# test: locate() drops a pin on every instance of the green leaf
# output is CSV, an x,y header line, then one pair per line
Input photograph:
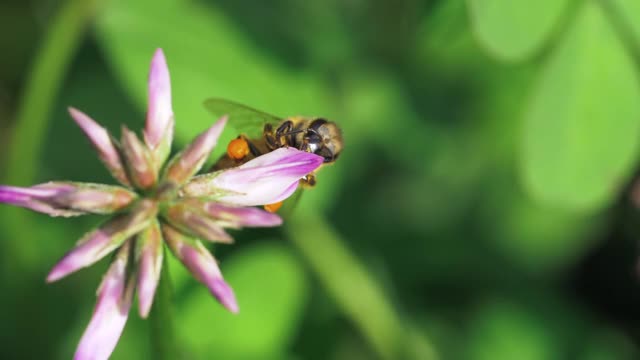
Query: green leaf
x,y
608,344
207,56
342,274
503,330
583,123
539,239
29,129
629,11
271,289
513,30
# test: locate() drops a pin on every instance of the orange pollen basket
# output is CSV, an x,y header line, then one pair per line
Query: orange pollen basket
x,y
238,148
273,207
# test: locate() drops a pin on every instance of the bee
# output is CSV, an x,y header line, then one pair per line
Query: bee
x,y
261,133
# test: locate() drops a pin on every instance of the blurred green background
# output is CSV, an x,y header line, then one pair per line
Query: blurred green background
x,y
480,210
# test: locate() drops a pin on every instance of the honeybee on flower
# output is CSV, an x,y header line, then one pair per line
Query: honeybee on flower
x,y
159,202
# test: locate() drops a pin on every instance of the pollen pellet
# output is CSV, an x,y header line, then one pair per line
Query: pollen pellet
x,y
273,207
238,148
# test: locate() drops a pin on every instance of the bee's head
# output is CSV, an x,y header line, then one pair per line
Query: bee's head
x,y
324,138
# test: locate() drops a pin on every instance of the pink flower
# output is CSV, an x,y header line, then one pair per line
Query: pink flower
x,y
158,203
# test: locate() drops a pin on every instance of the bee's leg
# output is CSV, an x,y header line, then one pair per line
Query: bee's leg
x,y
272,143
226,161
308,181
271,140
286,127
284,130
268,129
252,147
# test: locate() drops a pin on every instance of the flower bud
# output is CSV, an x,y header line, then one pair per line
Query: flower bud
x,y
191,217
201,264
98,243
101,140
111,312
237,217
95,198
140,164
68,198
264,180
158,132
149,257
188,162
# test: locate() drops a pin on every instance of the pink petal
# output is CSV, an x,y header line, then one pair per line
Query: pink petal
x,y
187,163
97,198
93,247
37,198
286,193
149,266
102,241
101,141
243,216
138,159
264,180
68,198
191,217
110,314
201,264
159,126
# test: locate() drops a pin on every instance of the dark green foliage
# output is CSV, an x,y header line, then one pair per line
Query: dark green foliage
x,y
479,210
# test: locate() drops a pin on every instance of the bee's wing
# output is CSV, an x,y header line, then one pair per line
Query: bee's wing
x,y
246,120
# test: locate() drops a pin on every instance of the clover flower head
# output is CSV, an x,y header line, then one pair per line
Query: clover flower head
x,y
158,202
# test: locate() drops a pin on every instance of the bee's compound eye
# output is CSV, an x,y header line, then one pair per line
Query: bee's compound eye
x,y
317,123
326,154
238,148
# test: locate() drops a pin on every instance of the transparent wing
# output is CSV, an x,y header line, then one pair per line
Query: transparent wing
x,y
246,120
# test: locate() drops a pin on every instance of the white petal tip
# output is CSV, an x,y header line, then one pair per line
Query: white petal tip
x,y
78,116
57,273
145,299
158,54
159,113
144,310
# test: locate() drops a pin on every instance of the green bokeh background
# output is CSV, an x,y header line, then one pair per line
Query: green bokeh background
x,y
482,208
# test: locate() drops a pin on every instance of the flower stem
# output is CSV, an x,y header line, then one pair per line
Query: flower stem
x,y
61,39
357,293
163,339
